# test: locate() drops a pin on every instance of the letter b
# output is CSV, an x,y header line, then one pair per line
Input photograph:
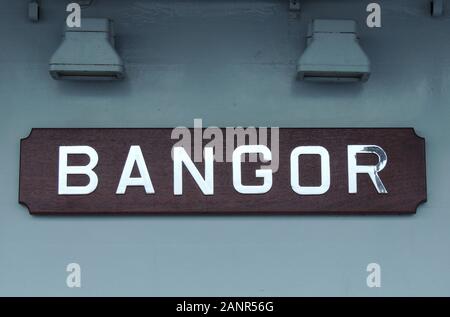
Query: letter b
x,y
64,170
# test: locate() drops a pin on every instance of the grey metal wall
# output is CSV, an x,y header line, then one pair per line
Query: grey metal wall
x,y
230,63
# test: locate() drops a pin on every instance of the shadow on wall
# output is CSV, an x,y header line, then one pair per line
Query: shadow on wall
x,y
330,90
98,89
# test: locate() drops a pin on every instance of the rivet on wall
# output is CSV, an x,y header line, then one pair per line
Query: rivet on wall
x,y
294,5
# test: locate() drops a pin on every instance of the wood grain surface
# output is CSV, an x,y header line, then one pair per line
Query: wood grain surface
x,y
404,175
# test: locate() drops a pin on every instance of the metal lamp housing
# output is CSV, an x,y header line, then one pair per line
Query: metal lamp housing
x,y
87,53
333,53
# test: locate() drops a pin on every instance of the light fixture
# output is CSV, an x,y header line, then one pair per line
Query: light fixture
x,y
333,53
87,53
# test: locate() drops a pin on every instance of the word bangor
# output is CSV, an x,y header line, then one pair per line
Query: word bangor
x,y
182,160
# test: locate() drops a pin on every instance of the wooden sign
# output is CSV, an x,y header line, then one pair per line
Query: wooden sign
x,y
199,171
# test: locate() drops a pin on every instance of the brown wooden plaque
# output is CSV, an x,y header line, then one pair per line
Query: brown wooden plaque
x,y
319,171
